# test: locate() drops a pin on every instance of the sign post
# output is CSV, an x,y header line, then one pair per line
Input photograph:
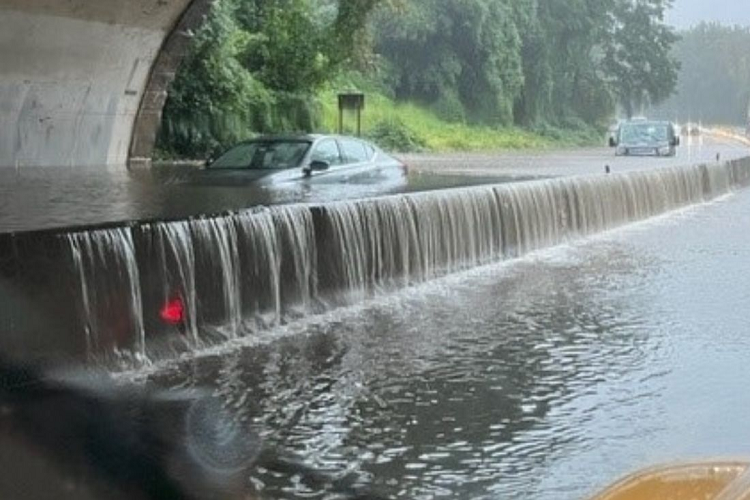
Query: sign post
x,y
353,101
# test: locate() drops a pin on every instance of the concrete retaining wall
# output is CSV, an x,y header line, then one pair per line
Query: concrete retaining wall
x,y
96,293
79,77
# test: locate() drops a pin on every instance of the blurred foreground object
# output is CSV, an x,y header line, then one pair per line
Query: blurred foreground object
x,y
721,480
82,436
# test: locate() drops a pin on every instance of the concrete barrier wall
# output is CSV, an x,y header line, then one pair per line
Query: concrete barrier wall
x,y
74,76
97,294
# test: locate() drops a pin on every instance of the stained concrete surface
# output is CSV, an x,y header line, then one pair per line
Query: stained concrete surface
x,y
77,76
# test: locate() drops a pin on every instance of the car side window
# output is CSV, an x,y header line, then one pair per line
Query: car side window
x,y
327,151
354,151
370,151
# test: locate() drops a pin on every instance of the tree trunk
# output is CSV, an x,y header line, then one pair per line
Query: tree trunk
x,y
628,105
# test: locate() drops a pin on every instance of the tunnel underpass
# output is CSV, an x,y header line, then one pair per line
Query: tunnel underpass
x,y
84,81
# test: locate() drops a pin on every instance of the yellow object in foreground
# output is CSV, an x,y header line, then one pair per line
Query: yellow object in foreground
x,y
705,481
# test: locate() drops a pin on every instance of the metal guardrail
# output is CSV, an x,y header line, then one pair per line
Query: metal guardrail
x,y
727,134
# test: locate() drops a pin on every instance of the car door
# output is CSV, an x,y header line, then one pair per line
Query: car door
x,y
327,150
357,160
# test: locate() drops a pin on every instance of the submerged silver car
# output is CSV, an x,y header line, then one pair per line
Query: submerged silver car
x,y
304,158
645,138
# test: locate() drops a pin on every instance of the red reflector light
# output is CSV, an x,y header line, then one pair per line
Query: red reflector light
x,y
173,312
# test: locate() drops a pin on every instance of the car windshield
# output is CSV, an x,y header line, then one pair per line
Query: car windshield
x,y
263,155
634,133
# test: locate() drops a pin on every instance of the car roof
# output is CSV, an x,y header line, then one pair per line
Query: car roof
x,y
300,137
648,122
284,137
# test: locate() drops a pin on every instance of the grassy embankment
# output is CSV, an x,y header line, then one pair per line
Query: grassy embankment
x,y
409,127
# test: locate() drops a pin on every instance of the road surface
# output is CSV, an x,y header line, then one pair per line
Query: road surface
x,y
546,377
34,199
574,161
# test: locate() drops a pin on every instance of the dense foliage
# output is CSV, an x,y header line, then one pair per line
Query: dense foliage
x,y
714,85
638,58
260,65
529,61
255,67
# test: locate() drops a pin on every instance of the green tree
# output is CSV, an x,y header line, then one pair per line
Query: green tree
x,y
214,97
561,58
529,62
467,52
638,59
714,82
255,67
287,49
258,65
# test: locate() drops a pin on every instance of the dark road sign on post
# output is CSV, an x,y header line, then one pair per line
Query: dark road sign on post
x,y
353,101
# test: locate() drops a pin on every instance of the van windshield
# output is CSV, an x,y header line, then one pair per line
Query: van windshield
x,y
647,132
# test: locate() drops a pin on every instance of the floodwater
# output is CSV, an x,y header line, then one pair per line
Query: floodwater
x,y
693,150
66,197
43,198
546,377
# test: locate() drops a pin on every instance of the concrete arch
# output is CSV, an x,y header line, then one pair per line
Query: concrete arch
x,y
83,82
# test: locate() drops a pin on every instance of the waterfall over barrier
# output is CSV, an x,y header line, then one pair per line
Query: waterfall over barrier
x,y
233,275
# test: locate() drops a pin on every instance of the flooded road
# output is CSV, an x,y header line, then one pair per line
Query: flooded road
x,y
39,199
546,377
589,161
34,199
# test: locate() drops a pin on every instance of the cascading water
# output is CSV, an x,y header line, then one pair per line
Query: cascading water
x,y
110,288
249,271
177,252
218,256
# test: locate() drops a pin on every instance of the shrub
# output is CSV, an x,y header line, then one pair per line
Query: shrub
x,y
449,108
395,135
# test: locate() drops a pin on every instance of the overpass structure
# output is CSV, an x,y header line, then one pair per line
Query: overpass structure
x,y
83,82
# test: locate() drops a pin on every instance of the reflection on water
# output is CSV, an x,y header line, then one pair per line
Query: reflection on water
x,y
37,198
545,378
459,391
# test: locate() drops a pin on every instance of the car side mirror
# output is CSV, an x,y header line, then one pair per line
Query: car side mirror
x,y
612,142
675,141
319,166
